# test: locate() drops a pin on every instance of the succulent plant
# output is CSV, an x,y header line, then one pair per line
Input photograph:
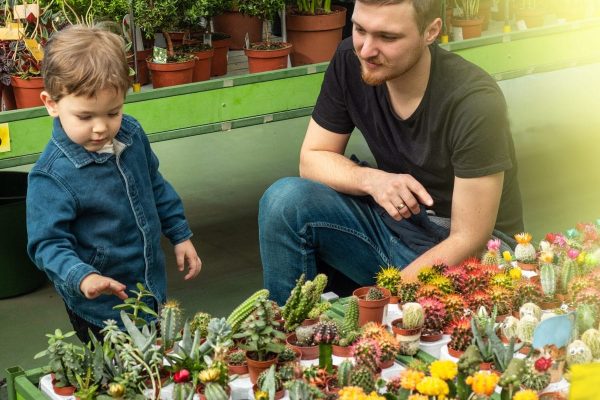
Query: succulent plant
x,y
591,338
366,352
413,315
479,298
526,291
429,290
435,314
183,391
534,380
470,361
305,335
200,322
387,342
461,335
531,309
589,295
363,377
490,257
576,285
524,251
426,274
325,332
568,272
350,323
344,373
407,291
578,353
374,293
502,299
455,306
502,280
471,265
443,283
389,277
241,312
548,280
509,326
512,376
302,299
476,281
586,317
269,378
170,323
236,357
525,328
458,276
319,309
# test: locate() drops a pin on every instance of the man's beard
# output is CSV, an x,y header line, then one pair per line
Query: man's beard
x,y
372,79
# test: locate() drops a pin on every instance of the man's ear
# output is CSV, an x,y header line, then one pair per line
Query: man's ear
x,y
433,30
51,105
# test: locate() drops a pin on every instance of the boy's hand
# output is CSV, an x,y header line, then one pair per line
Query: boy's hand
x,y
95,285
186,253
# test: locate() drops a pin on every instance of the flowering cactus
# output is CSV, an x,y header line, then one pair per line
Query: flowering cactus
x,y
524,251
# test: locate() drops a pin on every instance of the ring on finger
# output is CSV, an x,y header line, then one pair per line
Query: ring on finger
x,y
400,207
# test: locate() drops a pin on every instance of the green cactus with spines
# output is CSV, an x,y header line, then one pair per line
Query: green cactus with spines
x,y
183,391
578,353
319,309
525,328
170,323
490,258
214,391
200,322
426,274
500,296
443,283
302,299
548,280
269,377
286,355
299,389
509,327
241,312
534,380
530,309
576,285
455,306
413,316
320,284
568,272
374,293
389,277
407,291
510,380
363,377
366,352
585,317
591,338
287,371
502,280
344,373
350,323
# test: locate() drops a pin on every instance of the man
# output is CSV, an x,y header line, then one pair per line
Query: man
x,y
437,127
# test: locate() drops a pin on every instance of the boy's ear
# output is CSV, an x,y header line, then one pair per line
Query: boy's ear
x,y
51,105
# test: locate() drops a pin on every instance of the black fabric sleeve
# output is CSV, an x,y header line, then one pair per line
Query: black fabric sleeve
x,y
481,136
331,110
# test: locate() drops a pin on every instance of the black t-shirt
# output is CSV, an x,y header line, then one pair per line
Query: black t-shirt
x,y
460,128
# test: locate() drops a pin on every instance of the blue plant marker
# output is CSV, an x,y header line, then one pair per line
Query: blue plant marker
x,y
554,330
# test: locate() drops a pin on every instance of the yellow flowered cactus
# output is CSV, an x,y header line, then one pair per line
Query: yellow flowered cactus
x,y
523,238
507,256
524,251
443,369
483,383
432,386
525,395
515,273
409,378
357,393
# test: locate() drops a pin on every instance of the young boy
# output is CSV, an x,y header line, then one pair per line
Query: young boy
x,y
96,203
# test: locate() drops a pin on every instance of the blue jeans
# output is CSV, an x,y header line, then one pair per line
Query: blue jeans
x,y
302,223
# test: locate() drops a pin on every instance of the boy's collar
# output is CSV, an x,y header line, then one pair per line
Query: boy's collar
x,y
78,155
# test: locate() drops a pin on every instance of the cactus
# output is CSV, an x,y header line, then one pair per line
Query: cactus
x,y
407,291
578,353
344,373
351,316
238,357
455,306
200,322
214,391
366,352
287,354
534,380
302,299
435,314
374,293
325,335
524,251
585,317
319,309
363,377
459,278
241,312
269,380
478,299
183,391
501,298
509,327
461,334
443,283
525,328
413,316
568,272
426,274
170,323
429,290
548,280
300,390
591,338
305,335
531,309
389,277
512,375
503,280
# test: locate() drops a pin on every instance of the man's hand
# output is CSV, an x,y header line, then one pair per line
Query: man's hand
x,y
399,194
186,253
95,285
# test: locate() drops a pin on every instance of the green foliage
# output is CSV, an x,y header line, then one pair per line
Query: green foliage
x,y
112,10
241,312
136,307
195,10
65,359
312,7
302,299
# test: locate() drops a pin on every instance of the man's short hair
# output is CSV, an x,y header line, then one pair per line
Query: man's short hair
x,y
82,60
425,10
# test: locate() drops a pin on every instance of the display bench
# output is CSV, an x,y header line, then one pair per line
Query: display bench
x,y
223,104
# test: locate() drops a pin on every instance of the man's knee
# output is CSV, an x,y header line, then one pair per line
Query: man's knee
x,y
283,197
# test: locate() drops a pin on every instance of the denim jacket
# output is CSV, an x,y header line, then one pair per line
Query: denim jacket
x,y
101,213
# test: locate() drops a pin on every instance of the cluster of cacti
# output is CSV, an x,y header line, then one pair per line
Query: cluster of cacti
x,y
241,312
469,361
548,280
426,274
459,278
455,306
302,299
524,251
526,291
501,298
479,298
407,291
366,352
319,309
461,334
443,283
374,293
471,265
363,377
525,328
199,322
476,281
576,285
389,277
413,315
589,295
170,323
429,290
435,314
387,342
489,271
591,338
578,353
502,280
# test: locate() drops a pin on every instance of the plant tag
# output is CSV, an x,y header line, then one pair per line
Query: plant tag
x,y
22,11
159,55
35,49
207,39
584,381
247,41
521,25
4,138
12,31
457,33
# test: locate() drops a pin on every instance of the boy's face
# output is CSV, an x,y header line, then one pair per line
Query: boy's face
x,y
90,122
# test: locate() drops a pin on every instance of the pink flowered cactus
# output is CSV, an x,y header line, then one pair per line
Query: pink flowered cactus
x,y
573,253
493,244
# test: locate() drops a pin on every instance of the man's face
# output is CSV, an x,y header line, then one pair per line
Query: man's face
x,y
386,40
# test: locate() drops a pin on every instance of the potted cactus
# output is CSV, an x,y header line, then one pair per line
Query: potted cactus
x,y
548,283
325,333
387,342
303,297
236,362
64,362
170,324
304,340
371,303
435,319
525,328
389,277
270,383
469,20
525,253
348,329
461,336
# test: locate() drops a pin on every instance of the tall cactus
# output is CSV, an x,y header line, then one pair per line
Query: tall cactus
x,y
302,299
344,373
241,312
413,316
568,272
351,316
170,323
183,391
548,280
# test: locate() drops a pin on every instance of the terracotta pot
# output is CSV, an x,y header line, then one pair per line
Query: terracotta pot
x,y
471,28
485,366
143,74
308,352
177,37
342,351
370,310
394,299
237,25
387,364
237,369
314,37
218,64
256,367
556,371
171,74
27,91
500,318
8,98
267,60
64,390
527,266
309,322
455,353
398,330
550,305
202,66
331,385
431,337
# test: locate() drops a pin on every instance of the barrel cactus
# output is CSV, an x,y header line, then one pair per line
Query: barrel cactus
x,y
531,309
509,327
578,353
591,338
389,277
413,316
525,328
363,377
344,373
524,251
374,293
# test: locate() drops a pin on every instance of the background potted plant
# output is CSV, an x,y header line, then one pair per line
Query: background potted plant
x,y
469,19
531,12
314,28
266,55
237,22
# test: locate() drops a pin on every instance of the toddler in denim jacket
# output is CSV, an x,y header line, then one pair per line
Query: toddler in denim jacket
x,y
96,203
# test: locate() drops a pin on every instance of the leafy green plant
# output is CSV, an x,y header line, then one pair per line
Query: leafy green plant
x,y
65,359
311,7
469,8
135,306
266,10
198,10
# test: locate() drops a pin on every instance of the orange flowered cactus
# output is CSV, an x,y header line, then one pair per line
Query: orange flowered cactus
x,y
409,378
525,395
523,238
524,251
483,383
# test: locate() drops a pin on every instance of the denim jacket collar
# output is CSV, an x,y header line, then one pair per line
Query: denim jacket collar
x,y
77,154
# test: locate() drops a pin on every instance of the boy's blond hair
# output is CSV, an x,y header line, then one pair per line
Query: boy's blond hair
x,y
81,60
